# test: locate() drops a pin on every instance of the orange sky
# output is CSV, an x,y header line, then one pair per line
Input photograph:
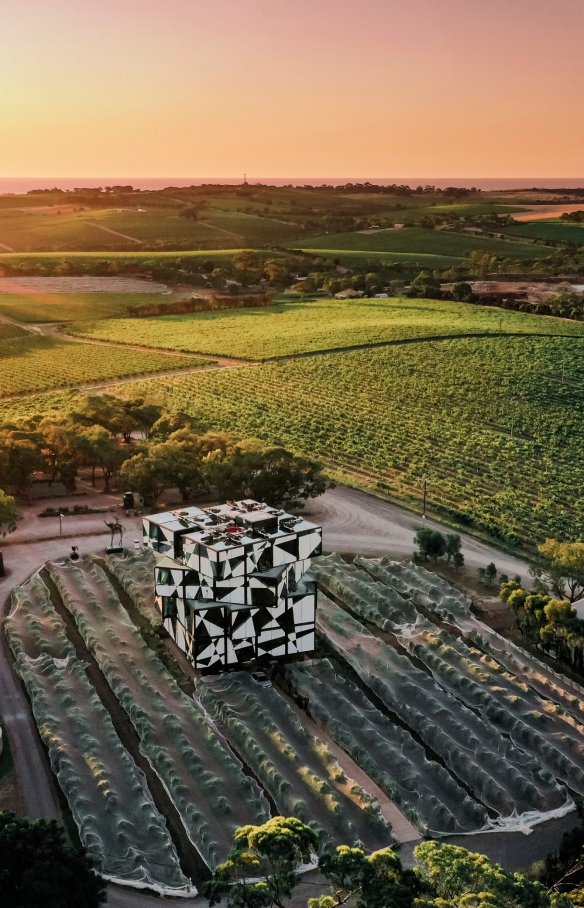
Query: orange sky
x,y
336,88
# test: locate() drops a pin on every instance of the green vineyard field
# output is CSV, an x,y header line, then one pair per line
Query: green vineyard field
x,y
488,422
419,240
35,308
30,364
301,327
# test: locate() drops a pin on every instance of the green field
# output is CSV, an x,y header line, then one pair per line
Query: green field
x,y
29,364
36,308
104,229
9,331
486,421
89,259
299,327
418,240
549,230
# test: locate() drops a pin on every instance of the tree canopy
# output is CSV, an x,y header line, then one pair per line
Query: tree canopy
x,y
262,871
39,870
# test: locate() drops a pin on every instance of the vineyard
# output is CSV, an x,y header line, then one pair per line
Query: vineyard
x,y
296,769
7,331
117,820
416,240
493,424
204,780
37,307
300,327
32,363
462,731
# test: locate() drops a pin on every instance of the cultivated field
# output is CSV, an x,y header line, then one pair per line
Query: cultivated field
x,y
36,308
59,284
117,821
463,734
7,331
105,229
300,327
416,240
89,260
549,230
487,421
30,363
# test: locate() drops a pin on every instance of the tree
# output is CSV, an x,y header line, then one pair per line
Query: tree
x,y
305,288
454,877
180,462
99,448
272,851
425,286
58,431
192,212
453,546
462,292
377,880
490,573
275,475
145,475
101,410
431,543
142,415
458,560
563,568
23,459
39,870
284,479
8,513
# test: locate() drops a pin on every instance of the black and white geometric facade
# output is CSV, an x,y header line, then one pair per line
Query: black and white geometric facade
x,y
233,582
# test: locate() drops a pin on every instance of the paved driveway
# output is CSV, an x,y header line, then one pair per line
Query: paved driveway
x,y
354,521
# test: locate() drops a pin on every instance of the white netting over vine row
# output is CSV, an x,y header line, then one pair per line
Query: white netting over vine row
x,y
537,726
296,768
202,777
507,780
117,820
423,789
134,570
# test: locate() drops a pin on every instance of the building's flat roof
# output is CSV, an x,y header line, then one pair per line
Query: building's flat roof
x,y
237,523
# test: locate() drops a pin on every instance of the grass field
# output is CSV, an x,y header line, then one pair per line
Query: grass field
x,y
299,327
36,308
30,364
549,230
487,421
417,240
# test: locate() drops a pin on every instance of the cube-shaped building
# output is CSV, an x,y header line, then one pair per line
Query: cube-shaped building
x,y
233,582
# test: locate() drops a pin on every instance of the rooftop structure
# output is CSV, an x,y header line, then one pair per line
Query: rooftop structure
x,y
233,582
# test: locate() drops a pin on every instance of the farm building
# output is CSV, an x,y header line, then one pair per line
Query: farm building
x,y
233,582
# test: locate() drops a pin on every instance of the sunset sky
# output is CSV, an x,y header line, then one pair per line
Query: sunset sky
x,y
338,88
